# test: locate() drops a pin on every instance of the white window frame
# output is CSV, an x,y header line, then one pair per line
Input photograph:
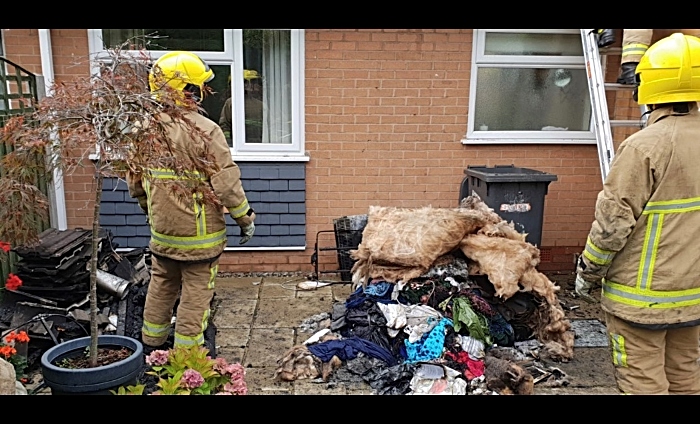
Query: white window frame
x,y
479,59
232,55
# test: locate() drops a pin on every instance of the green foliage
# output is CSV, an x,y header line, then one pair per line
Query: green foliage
x,y
129,390
20,364
191,371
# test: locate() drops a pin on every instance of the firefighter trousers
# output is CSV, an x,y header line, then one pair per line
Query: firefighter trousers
x,y
635,42
194,284
654,361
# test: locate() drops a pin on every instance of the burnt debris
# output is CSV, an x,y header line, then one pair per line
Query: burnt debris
x,y
52,304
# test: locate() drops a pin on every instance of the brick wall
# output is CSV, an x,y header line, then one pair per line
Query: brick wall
x,y
68,46
385,113
386,110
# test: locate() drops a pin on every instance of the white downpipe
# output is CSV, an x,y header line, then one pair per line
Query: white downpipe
x,y
58,204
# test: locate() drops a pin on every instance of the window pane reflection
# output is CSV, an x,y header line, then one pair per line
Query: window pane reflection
x,y
532,99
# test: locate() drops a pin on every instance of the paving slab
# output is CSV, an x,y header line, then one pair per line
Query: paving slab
x,y
234,313
590,367
318,387
231,354
261,381
324,291
232,337
605,390
289,312
240,288
267,345
278,287
341,291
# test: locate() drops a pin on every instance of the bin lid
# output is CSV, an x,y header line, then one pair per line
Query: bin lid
x,y
508,173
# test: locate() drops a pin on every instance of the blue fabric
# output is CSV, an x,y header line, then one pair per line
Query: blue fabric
x,y
355,299
381,294
430,346
501,331
378,289
349,348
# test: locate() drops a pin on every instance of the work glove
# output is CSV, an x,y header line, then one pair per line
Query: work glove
x,y
246,233
246,222
583,289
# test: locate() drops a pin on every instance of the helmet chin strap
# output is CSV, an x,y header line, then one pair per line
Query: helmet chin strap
x,y
194,92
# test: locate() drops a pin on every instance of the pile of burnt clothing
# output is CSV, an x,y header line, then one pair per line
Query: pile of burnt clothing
x,y
432,335
400,245
438,286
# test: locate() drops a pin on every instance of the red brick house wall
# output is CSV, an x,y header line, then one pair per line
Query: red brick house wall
x,y
385,113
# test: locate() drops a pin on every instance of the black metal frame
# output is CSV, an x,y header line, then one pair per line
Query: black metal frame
x,y
317,250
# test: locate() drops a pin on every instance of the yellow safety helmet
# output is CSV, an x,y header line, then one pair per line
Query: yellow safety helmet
x,y
179,69
248,74
669,71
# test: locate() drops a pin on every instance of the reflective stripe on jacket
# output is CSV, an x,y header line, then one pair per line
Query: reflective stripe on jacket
x,y
647,223
190,230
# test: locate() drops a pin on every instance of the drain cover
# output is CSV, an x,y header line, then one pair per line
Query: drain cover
x,y
589,333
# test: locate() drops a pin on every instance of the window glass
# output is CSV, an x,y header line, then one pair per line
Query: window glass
x,y
267,86
505,43
202,40
261,108
221,90
529,86
532,99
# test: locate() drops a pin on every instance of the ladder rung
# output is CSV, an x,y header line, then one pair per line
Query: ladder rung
x,y
613,86
610,51
625,123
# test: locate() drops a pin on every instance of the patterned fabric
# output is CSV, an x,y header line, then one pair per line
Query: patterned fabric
x,y
430,346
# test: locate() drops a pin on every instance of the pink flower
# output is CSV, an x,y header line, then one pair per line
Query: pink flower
x,y
157,358
235,371
191,379
220,365
237,387
224,393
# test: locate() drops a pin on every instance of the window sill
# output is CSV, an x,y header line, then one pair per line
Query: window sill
x,y
270,158
483,141
251,158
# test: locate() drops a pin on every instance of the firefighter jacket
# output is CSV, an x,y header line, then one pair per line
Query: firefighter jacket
x,y
642,243
191,231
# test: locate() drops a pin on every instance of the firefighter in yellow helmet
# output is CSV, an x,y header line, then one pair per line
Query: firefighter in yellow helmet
x,y
642,246
187,239
635,42
252,107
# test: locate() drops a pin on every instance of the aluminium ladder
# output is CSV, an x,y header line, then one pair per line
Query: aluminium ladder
x,y
599,107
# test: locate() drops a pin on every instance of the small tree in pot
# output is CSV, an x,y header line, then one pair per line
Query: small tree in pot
x,y
109,124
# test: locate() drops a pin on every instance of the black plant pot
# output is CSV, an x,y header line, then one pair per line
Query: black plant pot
x,y
99,380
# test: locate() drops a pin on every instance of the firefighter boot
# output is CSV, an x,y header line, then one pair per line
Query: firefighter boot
x,y
627,74
605,37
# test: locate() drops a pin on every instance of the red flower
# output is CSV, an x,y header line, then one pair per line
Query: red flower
x,y
20,337
7,351
13,282
5,246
